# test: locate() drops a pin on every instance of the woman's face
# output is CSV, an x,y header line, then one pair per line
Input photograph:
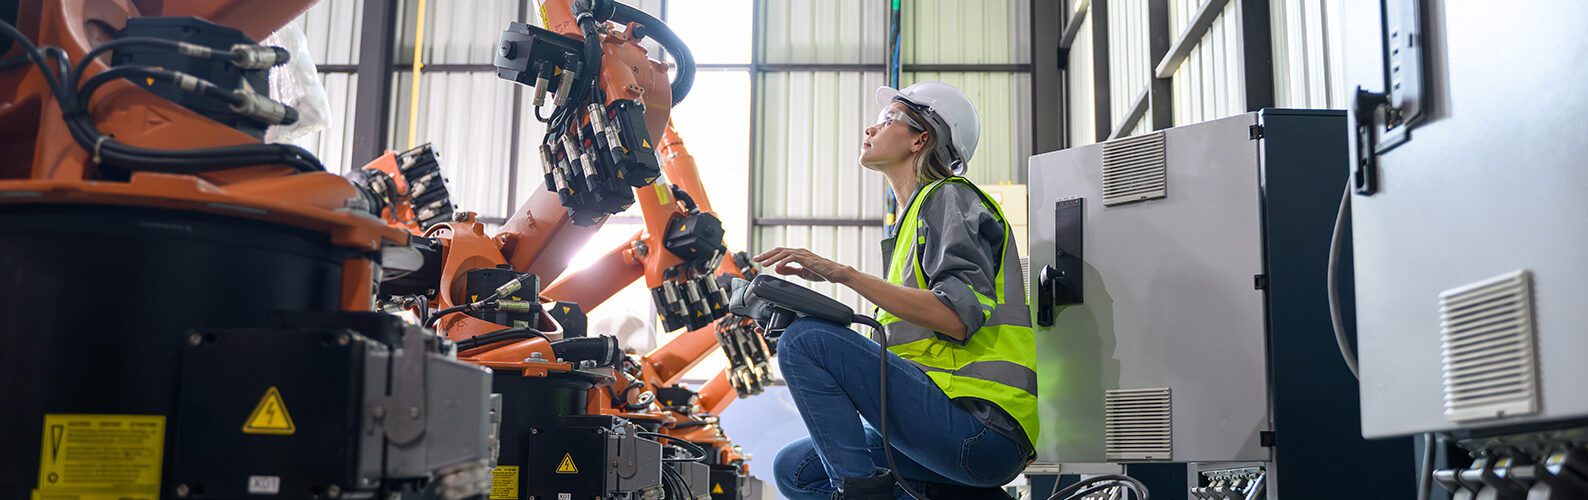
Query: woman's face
x,y
890,140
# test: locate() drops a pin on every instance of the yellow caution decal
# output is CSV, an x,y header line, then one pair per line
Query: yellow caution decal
x,y
565,309
567,466
504,482
664,193
716,489
270,416
644,143
101,456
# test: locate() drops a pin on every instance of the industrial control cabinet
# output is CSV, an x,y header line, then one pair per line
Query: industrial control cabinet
x,y
1178,278
1474,207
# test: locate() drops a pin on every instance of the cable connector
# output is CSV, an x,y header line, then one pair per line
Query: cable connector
x,y
258,56
516,284
517,306
194,50
260,107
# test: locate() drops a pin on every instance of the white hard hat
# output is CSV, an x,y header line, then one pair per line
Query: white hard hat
x,y
948,112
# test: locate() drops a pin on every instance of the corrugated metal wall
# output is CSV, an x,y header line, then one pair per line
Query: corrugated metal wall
x,y
961,32
1127,55
1307,54
1210,83
807,142
331,28
465,113
825,32
809,120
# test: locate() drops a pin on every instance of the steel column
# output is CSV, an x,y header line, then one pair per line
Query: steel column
x,y
374,85
1104,121
1257,54
1160,92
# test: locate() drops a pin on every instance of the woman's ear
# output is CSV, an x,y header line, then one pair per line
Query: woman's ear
x,y
920,142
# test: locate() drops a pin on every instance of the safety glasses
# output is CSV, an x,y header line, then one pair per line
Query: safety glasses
x,y
890,115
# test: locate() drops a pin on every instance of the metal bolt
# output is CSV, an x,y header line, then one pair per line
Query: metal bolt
x,y
537,356
380,412
333,491
413,412
460,217
534,430
181,490
343,339
615,465
195,339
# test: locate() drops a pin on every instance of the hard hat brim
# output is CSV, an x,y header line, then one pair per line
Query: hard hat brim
x,y
886,95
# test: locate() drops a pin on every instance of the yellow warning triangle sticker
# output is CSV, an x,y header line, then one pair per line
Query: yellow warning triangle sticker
x,y
565,309
566,466
645,143
270,416
716,489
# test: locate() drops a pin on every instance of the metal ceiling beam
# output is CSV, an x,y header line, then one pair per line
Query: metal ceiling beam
x,y
1191,37
1072,29
1138,109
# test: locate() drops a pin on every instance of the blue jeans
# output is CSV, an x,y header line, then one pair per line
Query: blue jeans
x,y
832,375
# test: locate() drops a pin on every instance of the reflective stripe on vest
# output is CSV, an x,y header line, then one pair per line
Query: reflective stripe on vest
x,y
998,362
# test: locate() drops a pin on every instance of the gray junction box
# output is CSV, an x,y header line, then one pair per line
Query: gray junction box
x,y
1190,323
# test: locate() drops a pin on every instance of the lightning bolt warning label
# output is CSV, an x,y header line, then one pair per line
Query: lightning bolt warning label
x,y
270,416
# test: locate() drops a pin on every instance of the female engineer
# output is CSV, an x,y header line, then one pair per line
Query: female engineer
x,y
962,414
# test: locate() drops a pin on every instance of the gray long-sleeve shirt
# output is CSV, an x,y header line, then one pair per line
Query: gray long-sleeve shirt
x,y
964,245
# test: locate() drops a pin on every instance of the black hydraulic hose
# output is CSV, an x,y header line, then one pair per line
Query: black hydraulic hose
x,y
15,62
700,453
119,154
690,424
669,40
585,15
602,350
498,336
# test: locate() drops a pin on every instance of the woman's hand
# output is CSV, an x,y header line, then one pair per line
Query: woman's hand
x,y
801,262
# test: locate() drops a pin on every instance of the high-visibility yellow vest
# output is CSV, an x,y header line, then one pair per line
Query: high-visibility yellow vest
x,y
998,362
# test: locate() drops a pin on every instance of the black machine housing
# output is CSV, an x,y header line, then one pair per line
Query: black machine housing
x,y
365,393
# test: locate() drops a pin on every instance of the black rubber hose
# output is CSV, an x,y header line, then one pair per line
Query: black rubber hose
x,y
602,350
670,41
498,336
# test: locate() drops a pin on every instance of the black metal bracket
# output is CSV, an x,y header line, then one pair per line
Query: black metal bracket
x,y
1384,120
1062,283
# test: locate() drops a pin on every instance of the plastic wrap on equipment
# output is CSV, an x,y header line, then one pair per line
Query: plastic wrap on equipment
x,y
297,84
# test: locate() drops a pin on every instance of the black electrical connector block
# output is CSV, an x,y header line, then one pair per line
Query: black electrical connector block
x,y
525,52
217,70
482,283
635,158
695,237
